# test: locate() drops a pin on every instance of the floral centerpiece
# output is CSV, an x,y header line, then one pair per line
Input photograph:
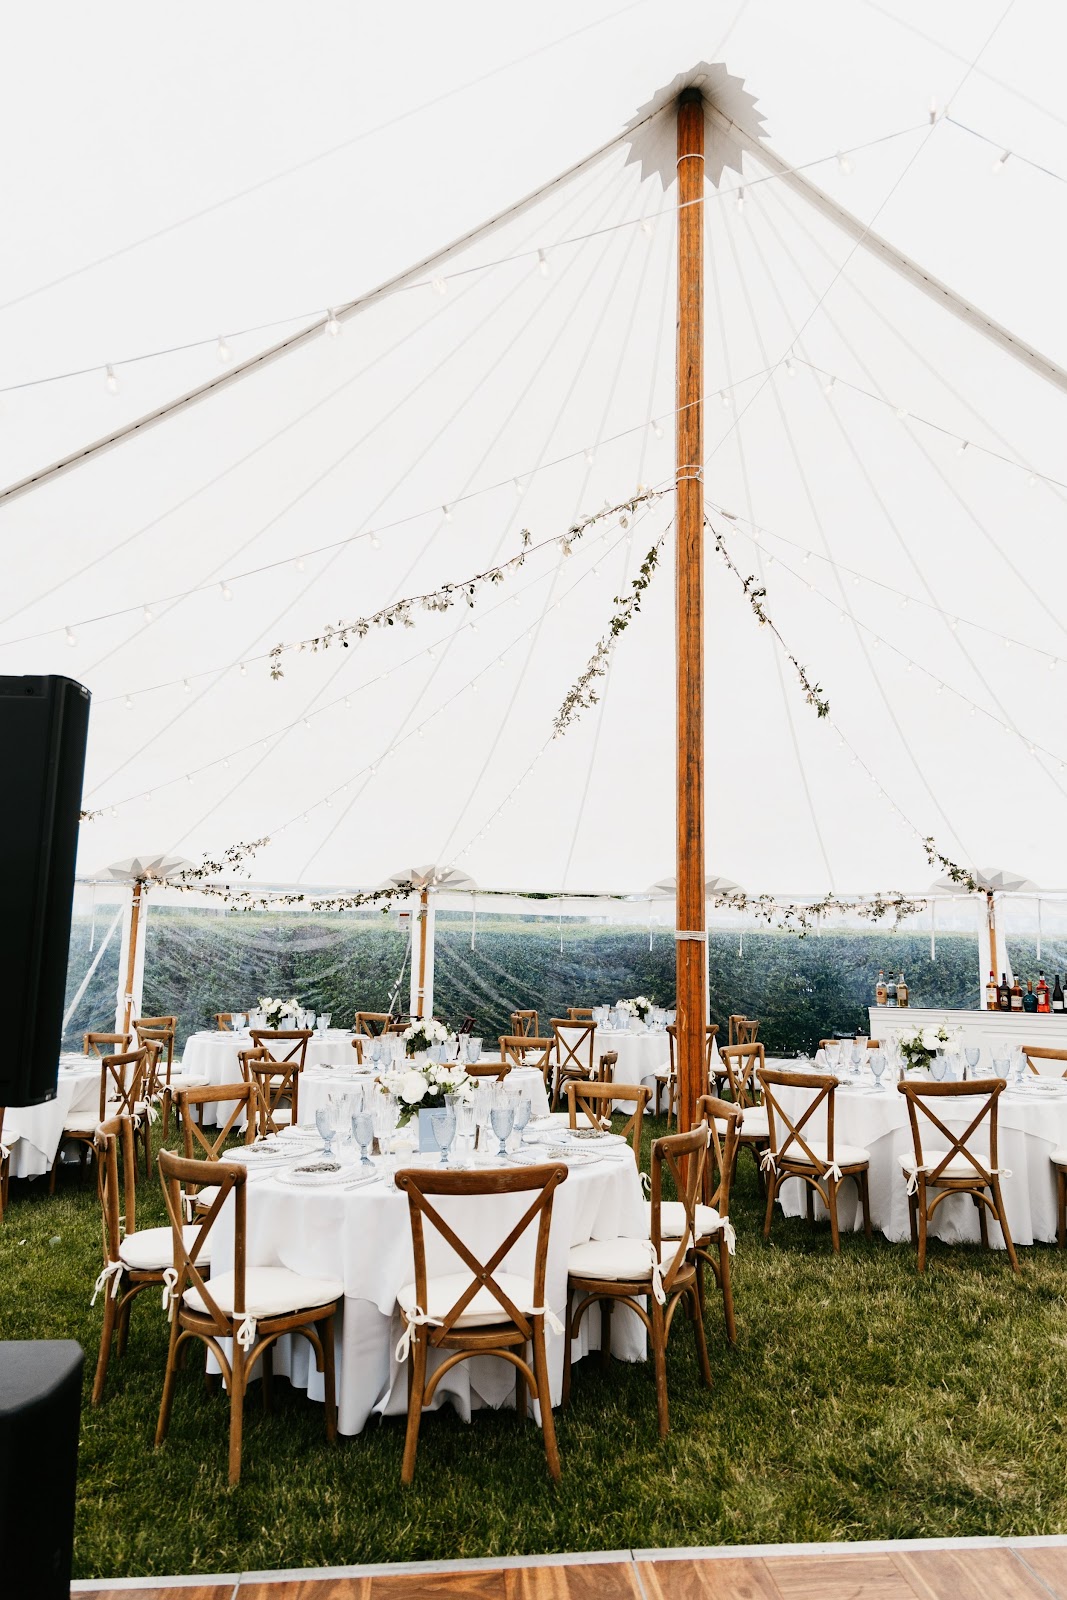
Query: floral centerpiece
x,y
276,1010
423,1088
920,1048
423,1034
638,1007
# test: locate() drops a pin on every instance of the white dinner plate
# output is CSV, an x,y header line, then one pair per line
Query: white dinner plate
x,y
343,1177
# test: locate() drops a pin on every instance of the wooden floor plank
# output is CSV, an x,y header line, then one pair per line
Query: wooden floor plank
x,y
301,1589
437,1586
968,1575
1049,1564
209,1591
600,1580
851,1577
728,1578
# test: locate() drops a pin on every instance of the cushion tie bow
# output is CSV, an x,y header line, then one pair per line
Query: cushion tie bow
x,y
170,1283
416,1318
114,1271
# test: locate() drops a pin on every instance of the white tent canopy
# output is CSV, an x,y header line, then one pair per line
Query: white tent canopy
x,y
886,469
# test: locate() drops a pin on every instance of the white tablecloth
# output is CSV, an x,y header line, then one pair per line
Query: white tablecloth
x,y
641,1055
214,1055
39,1127
363,1237
1032,1123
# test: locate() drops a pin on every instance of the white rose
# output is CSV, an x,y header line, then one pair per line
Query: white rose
x,y
412,1087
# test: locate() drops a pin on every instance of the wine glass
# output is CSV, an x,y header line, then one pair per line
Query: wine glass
x,y
503,1120
1001,1066
972,1055
326,1123
474,1048
363,1134
443,1123
877,1061
523,1110
483,1104
465,1125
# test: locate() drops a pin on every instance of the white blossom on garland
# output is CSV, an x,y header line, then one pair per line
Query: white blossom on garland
x,y
584,693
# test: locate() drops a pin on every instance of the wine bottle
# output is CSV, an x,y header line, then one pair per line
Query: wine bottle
x,y
880,995
1044,1003
1004,994
902,991
991,992
1057,995
1016,996
1030,998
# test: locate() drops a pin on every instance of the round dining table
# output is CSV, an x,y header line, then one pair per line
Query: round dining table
x,y
641,1054
33,1133
1032,1122
360,1233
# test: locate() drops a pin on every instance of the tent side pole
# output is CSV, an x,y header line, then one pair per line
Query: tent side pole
x,y
131,957
691,930
424,914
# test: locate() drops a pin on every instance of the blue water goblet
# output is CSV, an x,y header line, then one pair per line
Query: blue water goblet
x,y
444,1130
503,1120
363,1134
325,1122
523,1109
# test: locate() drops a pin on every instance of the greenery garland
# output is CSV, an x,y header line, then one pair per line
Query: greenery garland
x,y
449,594
583,694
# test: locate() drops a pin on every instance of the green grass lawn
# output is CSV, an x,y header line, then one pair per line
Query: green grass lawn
x,y
860,1402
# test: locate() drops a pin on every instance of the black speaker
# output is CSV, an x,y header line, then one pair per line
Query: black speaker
x,y
44,723
40,1410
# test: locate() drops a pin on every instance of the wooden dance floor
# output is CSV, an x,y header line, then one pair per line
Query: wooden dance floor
x,y
976,1569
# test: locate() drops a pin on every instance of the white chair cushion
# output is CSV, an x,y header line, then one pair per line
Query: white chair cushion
x,y
846,1155
187,1080
561,1119
82,1122
753,1123
483,1309
672,1219
1059,1157
958,1167
206,1196
152,1249
616,1259
282,1115
269,1292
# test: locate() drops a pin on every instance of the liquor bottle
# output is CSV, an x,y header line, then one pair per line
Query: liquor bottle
x,y
902,991
1030,1002
1016,996
991,992
1057,995
880,995
1004,994
1044,1002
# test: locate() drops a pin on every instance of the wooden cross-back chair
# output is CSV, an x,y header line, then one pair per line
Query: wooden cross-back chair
x,y
595,1102
715,1241
525,1022
580,1013
652,1275
224,1019
741,1065
742,1029
372,1024
605,1067
667,1077
479,1310
959,1163
517,1048
202,1144
134,1258
250,1306
490,1069
106,1044
821,1164
121,1094
1042,1052
574,1043
278,1089
292,1041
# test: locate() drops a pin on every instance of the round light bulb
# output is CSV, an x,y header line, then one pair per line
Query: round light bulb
x,y
72,637
518,486
998,165
227,592
333,324
375,542
657,430
844,164
447,510
111,380
128,703
222,351
741,198
542,263
148,614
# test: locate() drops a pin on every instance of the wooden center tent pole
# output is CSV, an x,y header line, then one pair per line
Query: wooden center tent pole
x,y
691,931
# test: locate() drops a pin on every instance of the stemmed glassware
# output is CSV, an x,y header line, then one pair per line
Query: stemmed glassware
x,y
523,1110
877,1062
443,1123
474,1049
326,1123
938,1066
363,1134
503,1119
972,1055
465,1127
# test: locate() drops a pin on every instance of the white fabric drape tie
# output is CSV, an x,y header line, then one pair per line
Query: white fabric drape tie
x,y
833,1171
767,1161
552,1322
412,1320
152,1113
170,1283
114,1271
657,1275
726,1228
246,1333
